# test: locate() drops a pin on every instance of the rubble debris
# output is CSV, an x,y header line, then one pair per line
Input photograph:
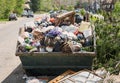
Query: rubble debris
x,y
107,78
71,37
101,72
84,76
112,79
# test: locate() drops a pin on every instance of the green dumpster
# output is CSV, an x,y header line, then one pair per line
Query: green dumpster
x,y
55,63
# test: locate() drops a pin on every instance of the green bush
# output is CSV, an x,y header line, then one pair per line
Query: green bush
x,y
108,42
62,7
8,6
19,6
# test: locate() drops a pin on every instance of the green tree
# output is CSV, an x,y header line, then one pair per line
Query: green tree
x,y
46,5
2,8
9,7
19,6
35,5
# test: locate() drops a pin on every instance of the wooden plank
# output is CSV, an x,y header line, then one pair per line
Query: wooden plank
x,y
61,18
76,76
69,72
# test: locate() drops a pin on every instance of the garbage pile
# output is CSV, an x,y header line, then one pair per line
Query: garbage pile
x,y
59,33
83,76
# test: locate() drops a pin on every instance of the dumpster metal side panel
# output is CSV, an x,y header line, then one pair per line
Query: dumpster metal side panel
x,y
55,64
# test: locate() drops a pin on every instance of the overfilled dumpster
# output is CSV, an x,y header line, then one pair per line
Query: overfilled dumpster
x,y
52,48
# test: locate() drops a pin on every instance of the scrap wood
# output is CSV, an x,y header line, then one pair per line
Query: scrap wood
x,y
55,80
44,78
81,76
61,17
64,15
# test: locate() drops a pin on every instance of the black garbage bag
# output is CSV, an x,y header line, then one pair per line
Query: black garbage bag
x,y
57,47
78,19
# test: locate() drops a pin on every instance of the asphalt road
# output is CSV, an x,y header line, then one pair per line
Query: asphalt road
x,y
10,65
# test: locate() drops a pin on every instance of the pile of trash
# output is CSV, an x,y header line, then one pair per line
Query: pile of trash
x,y
56,34
83,76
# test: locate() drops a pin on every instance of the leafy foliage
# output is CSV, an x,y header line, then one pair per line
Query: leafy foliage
x,y
82,12
2,7
19,6
35,5
47,5
108,41
8,6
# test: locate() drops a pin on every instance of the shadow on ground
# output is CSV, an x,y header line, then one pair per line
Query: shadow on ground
x,y
15,76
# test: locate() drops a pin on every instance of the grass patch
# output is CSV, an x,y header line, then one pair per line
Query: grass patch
x,y
3,20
